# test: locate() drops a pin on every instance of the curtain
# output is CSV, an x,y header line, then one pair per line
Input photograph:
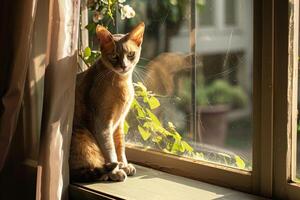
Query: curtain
x,y
37,96
59,99
13,80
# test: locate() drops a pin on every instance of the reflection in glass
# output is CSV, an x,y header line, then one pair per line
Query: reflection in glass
x,y
230,12
206,13
160,117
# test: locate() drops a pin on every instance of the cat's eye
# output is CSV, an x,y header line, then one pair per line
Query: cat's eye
x,y
131,55
113,57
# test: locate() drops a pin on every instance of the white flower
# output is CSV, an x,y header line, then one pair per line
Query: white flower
x,y
105,1
127,12
121,1
97,16
97,6
174,2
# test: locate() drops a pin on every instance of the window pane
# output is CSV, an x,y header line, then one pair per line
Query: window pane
x,y
230,12
206,11
161,116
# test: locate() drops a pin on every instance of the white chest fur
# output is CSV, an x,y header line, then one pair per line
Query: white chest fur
x,y
125,108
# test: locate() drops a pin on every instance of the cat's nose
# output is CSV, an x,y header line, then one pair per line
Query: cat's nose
x,y
123,67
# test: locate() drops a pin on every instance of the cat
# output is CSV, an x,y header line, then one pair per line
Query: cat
x,y
162,80
104,94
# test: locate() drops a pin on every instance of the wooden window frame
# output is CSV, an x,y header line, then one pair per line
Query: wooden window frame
x,y
272,127
274,80
286,74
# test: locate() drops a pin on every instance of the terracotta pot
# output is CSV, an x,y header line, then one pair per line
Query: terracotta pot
x,y
212,124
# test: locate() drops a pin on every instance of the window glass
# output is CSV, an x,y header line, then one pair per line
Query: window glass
x,y
161,116
219,127
230,12
206,12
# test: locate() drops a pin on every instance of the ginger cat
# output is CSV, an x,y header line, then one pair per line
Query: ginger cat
x,y
103,97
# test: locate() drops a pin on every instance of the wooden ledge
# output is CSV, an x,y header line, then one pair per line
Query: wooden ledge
x,y
149,184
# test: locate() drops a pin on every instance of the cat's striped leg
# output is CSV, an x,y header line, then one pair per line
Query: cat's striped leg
x,y
104,137
119,139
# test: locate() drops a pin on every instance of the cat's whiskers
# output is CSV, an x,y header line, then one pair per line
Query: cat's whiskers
x,y
139,77
142,67
146,59
145,73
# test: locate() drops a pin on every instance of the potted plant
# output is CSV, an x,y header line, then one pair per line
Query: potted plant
x,y
214,101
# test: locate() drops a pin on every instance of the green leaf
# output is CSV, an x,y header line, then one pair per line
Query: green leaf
x,y
139,109
200,155
87,52
239,162
141,91
145,134
177,146
140,112
171,125
142,86
153,117
133,104
157,139
153,102
181,147
126,127
172,129
187,147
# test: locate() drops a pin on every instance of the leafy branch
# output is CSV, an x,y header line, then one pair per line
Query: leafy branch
x,y
149,127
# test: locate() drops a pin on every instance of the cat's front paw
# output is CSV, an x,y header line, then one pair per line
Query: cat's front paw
x,y
129,169
115,173
118,175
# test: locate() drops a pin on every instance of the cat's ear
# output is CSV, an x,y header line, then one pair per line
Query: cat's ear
x,y
107,43
137,34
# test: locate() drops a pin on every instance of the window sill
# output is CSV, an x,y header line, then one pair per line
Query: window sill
x,y
149,184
